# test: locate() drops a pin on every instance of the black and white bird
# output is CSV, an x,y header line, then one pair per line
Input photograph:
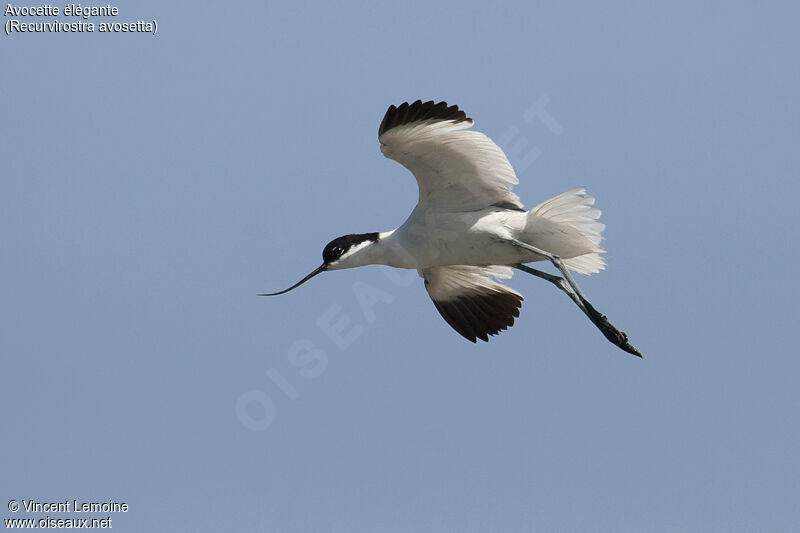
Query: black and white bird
x,y
468,230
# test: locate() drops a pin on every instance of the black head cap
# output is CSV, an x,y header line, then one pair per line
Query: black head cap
x,y
337,247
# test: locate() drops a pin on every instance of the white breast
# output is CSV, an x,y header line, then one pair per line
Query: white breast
x,y
431,238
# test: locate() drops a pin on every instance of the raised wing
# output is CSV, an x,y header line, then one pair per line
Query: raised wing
x,y
456,169
471,301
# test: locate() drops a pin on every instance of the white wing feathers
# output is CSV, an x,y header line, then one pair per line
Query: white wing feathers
x,y
471,301
456,169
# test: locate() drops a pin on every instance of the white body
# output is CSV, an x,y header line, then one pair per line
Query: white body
x,y
431,238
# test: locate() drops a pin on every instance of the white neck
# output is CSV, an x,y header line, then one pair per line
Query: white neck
x,y
385,251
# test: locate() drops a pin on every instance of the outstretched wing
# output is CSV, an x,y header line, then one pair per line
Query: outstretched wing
x,y
471,301
456,169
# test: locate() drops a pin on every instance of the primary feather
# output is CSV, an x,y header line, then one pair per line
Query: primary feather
x,y
471,300
456,169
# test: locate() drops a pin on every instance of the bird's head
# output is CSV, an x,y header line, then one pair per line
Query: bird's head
x,y
347,251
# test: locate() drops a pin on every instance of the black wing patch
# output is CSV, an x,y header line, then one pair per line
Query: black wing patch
x,y
407,113
478,315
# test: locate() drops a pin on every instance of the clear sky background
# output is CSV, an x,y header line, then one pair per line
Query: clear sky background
x,y
151,186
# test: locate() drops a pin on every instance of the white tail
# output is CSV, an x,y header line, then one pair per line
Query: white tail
x,y
567,226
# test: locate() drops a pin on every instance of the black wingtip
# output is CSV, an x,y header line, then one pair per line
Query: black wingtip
x,y
418,111
479,315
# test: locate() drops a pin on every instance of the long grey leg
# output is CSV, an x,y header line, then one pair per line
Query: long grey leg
x,y
555,280
615,336
553,259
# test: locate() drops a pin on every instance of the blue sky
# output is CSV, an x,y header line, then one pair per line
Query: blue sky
x,y
153,185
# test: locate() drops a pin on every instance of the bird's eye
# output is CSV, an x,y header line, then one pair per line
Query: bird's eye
x,y
337,251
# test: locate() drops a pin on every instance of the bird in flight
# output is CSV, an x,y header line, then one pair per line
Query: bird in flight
x,y
468,230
